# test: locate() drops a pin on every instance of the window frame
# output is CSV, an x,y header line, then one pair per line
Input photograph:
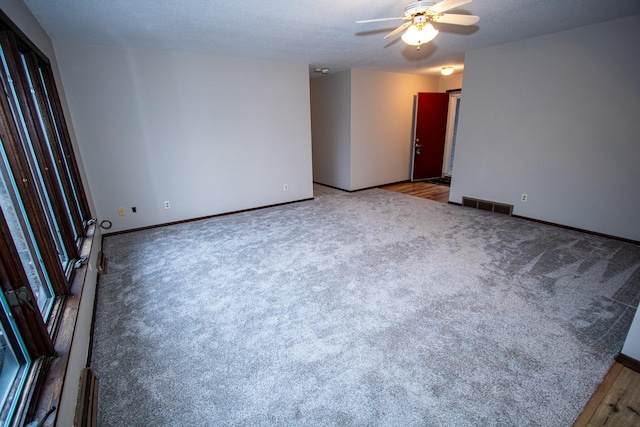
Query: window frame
x,y
38,138
46,340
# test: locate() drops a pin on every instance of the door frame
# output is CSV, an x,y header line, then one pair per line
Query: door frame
x,y
452,118
413,136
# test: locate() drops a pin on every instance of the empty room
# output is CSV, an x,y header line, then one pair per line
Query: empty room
x,y
198,224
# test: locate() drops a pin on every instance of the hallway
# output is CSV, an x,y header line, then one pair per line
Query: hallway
x,y
426,190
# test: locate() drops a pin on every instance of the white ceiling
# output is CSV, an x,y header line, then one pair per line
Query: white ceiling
x,y
319,33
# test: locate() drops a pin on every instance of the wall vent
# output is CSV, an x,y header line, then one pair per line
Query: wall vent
x,y
486,205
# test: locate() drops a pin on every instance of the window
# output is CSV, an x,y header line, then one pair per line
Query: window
x,y
23,238
43,221
14,361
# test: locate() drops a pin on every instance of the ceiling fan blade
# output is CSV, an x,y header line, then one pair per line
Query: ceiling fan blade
x,y
382,19
452,18
445,5
398,30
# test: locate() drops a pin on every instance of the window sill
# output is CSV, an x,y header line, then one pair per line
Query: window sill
x,y
48,390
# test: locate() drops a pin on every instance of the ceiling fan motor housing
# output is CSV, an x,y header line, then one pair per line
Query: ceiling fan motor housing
x,y
418,7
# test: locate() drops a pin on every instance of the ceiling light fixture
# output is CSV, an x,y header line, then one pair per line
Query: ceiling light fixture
x,y
420,32
321,70
446,71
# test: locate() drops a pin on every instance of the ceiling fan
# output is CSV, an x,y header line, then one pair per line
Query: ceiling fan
x,y
421,15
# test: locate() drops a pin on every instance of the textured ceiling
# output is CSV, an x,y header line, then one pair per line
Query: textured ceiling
x,y
318,33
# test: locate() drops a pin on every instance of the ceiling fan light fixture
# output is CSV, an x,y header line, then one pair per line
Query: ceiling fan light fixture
x,y
446,71
418,35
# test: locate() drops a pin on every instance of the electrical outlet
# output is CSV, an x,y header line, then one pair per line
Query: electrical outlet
x,y
121,211
167,205
286,187
523,198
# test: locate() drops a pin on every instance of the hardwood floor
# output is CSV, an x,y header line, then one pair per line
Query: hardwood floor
x,y
439,193
616,401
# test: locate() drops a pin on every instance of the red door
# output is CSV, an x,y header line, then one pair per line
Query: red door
x,y
429,129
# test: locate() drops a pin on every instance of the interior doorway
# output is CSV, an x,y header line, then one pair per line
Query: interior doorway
x,y
429,130
451,133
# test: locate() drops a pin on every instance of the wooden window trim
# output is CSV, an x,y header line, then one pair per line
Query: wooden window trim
x,y
37,134
65,141
32,328
23,41
17,158
53,164
25,44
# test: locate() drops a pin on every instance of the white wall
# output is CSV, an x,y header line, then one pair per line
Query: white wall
x,y
381,125
209,134
22,17
556,117
362,125
331,129
451,82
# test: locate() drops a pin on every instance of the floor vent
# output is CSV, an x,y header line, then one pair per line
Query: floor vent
x,y
486,205
101,264
87,405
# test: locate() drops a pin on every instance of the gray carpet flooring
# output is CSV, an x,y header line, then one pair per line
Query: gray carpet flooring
x,y
365,308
